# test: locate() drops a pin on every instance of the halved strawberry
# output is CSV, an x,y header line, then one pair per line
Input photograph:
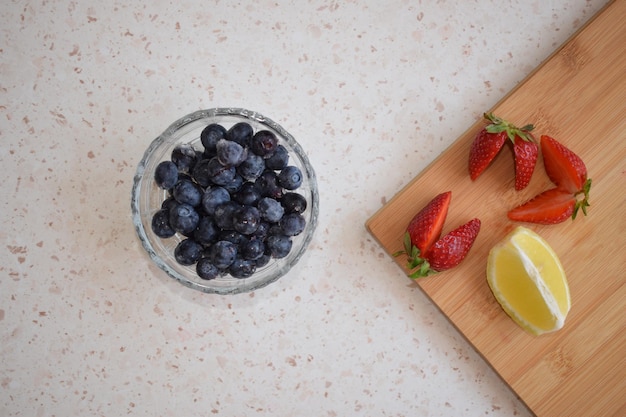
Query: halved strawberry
x,y
486,145
550,207
526,154
484,148
564,168
451,249
425,227
422,244
490,140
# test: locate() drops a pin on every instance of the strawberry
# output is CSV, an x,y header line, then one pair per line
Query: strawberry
x,y
451,249
550,207
568,172
425,227
491,138
428,253
564,168
484,149
526,153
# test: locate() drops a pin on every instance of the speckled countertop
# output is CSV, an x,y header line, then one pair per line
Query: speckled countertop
x,y
374,91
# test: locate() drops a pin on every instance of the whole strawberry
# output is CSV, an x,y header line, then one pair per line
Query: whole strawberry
x,y
490,140
428,253
569,173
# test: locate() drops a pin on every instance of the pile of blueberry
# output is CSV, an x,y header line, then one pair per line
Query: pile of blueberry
x,y
233,201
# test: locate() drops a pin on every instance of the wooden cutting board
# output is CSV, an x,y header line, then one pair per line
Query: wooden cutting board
x,y
578,96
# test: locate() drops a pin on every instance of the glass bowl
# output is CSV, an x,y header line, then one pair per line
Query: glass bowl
x,y
147,198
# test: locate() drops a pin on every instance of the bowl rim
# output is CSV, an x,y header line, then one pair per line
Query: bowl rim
x,y
212,113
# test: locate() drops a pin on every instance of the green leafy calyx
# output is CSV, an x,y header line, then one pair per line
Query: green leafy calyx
x,y
582,202
498,125
418,267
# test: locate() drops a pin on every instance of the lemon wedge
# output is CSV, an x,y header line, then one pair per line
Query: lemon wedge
x,y
527,279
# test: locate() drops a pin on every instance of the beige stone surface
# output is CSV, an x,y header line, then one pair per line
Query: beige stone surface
x,y
372,90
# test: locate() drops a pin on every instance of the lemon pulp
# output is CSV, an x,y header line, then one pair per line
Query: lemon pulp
x,y
527,278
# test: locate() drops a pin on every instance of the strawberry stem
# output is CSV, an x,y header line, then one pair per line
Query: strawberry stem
x,y
423,271
498,125
419,266
583,203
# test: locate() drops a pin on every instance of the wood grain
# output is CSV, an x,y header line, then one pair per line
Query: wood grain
x,y
578,96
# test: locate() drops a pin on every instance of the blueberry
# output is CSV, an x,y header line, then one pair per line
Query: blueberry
x,y
241,133
184,176
184,219
187,192
274,229
279,159
166,174
206,232
233,236
206,270
270,209
210,135
161,224
290,177
230,153
242,268
187,252
252,167
292,224
224,213
169,203
278,246
199,156
208,154
184,156
214,197
267,185
264,143
246,219
293,203
263,260
262,231
247,195
222,254
218,173
234,186
200,173
252,249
